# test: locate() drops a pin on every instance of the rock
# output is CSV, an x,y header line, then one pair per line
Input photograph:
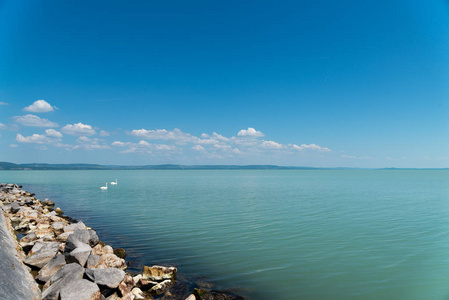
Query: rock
x,y
80,289
51,268
201,294
58,226
43,255
63,236
76,240
79,255
59,211
72,227
92,261
191,297
145,284
111,261
37,246
161,287
46,234
125,291
60,279
138,294
159,273
28,241
48,202
137,278
15,281
109,277
120,252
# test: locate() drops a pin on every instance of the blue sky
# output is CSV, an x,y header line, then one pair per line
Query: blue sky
x,y
304,83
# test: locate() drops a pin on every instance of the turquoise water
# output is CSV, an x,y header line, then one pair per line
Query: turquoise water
x,y
340,234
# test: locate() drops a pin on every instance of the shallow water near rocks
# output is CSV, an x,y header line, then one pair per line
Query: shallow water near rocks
x,y
270,234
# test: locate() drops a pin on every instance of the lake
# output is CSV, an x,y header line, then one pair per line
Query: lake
x,y
271,234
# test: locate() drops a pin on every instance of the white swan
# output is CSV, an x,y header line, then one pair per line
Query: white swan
x,y
114,183
104,187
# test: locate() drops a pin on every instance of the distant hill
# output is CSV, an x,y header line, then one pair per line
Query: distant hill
x,y
42,166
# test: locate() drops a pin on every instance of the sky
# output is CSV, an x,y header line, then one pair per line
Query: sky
x,y
298,83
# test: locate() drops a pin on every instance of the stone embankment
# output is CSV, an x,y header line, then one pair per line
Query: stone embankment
x,y
59,259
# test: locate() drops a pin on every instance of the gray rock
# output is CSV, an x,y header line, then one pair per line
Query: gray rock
x,y
59,226
72,227
15,207
73,242
44,255
79,255
60,279
109,277
92,261
86,236
80,289
51,268
15,281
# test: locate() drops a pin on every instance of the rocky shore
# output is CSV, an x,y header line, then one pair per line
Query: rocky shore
x,y
46,255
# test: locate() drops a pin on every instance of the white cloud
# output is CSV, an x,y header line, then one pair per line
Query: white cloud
x,y
2,126
104,133
271,145
42,147
312,147
13,145
33,120
35,138
119,144
3,103
39,106
78,129
162,134
250,132
198,148
53,133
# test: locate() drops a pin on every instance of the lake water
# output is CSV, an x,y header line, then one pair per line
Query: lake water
x,y
338,234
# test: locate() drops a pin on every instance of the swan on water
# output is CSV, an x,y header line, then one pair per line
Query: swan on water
x,y
104,187
114,183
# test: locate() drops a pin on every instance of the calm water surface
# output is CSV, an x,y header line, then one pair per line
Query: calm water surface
x,y
340,234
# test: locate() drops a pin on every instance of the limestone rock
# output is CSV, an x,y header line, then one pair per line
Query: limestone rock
x,y
80,289
191,297
51,268
60,279
44,255
109,277
92,261
159,273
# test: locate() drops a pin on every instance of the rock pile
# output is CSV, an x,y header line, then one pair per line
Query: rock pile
x,y
68,260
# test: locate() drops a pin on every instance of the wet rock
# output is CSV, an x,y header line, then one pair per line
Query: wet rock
x,y
161,287
159,273
80,289
201,294
145,284
43,255
60,279
109,277
48,202
51,268
120,252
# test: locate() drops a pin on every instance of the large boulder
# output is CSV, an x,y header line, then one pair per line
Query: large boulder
x,y
62,278
43,255
51,268
80,289
72,227
109,277
161,287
